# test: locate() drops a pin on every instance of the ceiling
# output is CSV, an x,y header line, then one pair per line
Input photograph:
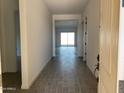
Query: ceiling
x,y
66,6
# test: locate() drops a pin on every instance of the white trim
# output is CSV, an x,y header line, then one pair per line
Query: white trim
x,y
24,44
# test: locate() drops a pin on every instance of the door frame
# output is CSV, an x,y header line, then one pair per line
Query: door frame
x,y
85,42
55,18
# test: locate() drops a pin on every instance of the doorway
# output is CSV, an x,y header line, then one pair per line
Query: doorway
x,y
11,45
66,34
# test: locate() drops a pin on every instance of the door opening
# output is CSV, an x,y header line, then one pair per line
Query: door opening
x,y
10,45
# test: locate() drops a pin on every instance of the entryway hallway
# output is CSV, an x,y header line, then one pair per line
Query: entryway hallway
x,y
64,74
95,28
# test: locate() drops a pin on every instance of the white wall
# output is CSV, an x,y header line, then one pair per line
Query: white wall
x,y
121,47
93,18
8,8
121,44
36,39
79,31
0,43
80,39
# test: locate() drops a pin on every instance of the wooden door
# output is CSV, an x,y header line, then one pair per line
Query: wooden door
x,y
109,31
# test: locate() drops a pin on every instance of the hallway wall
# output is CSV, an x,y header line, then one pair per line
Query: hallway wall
x,y
80,39
121,44
120,73
92,12
8,8
36,33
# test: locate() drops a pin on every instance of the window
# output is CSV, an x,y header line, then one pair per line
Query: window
x,y
67,38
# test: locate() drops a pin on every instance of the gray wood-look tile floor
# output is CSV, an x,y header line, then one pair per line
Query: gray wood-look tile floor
x,y
121,86
64,74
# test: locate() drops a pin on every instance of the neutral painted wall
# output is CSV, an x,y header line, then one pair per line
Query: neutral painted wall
x,y
0,43
58,38
8,34
80,39
0,26
36,39
77,17
1,91
93,18
121,45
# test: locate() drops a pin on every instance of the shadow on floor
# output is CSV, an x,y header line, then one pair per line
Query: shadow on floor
x,y
11,80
